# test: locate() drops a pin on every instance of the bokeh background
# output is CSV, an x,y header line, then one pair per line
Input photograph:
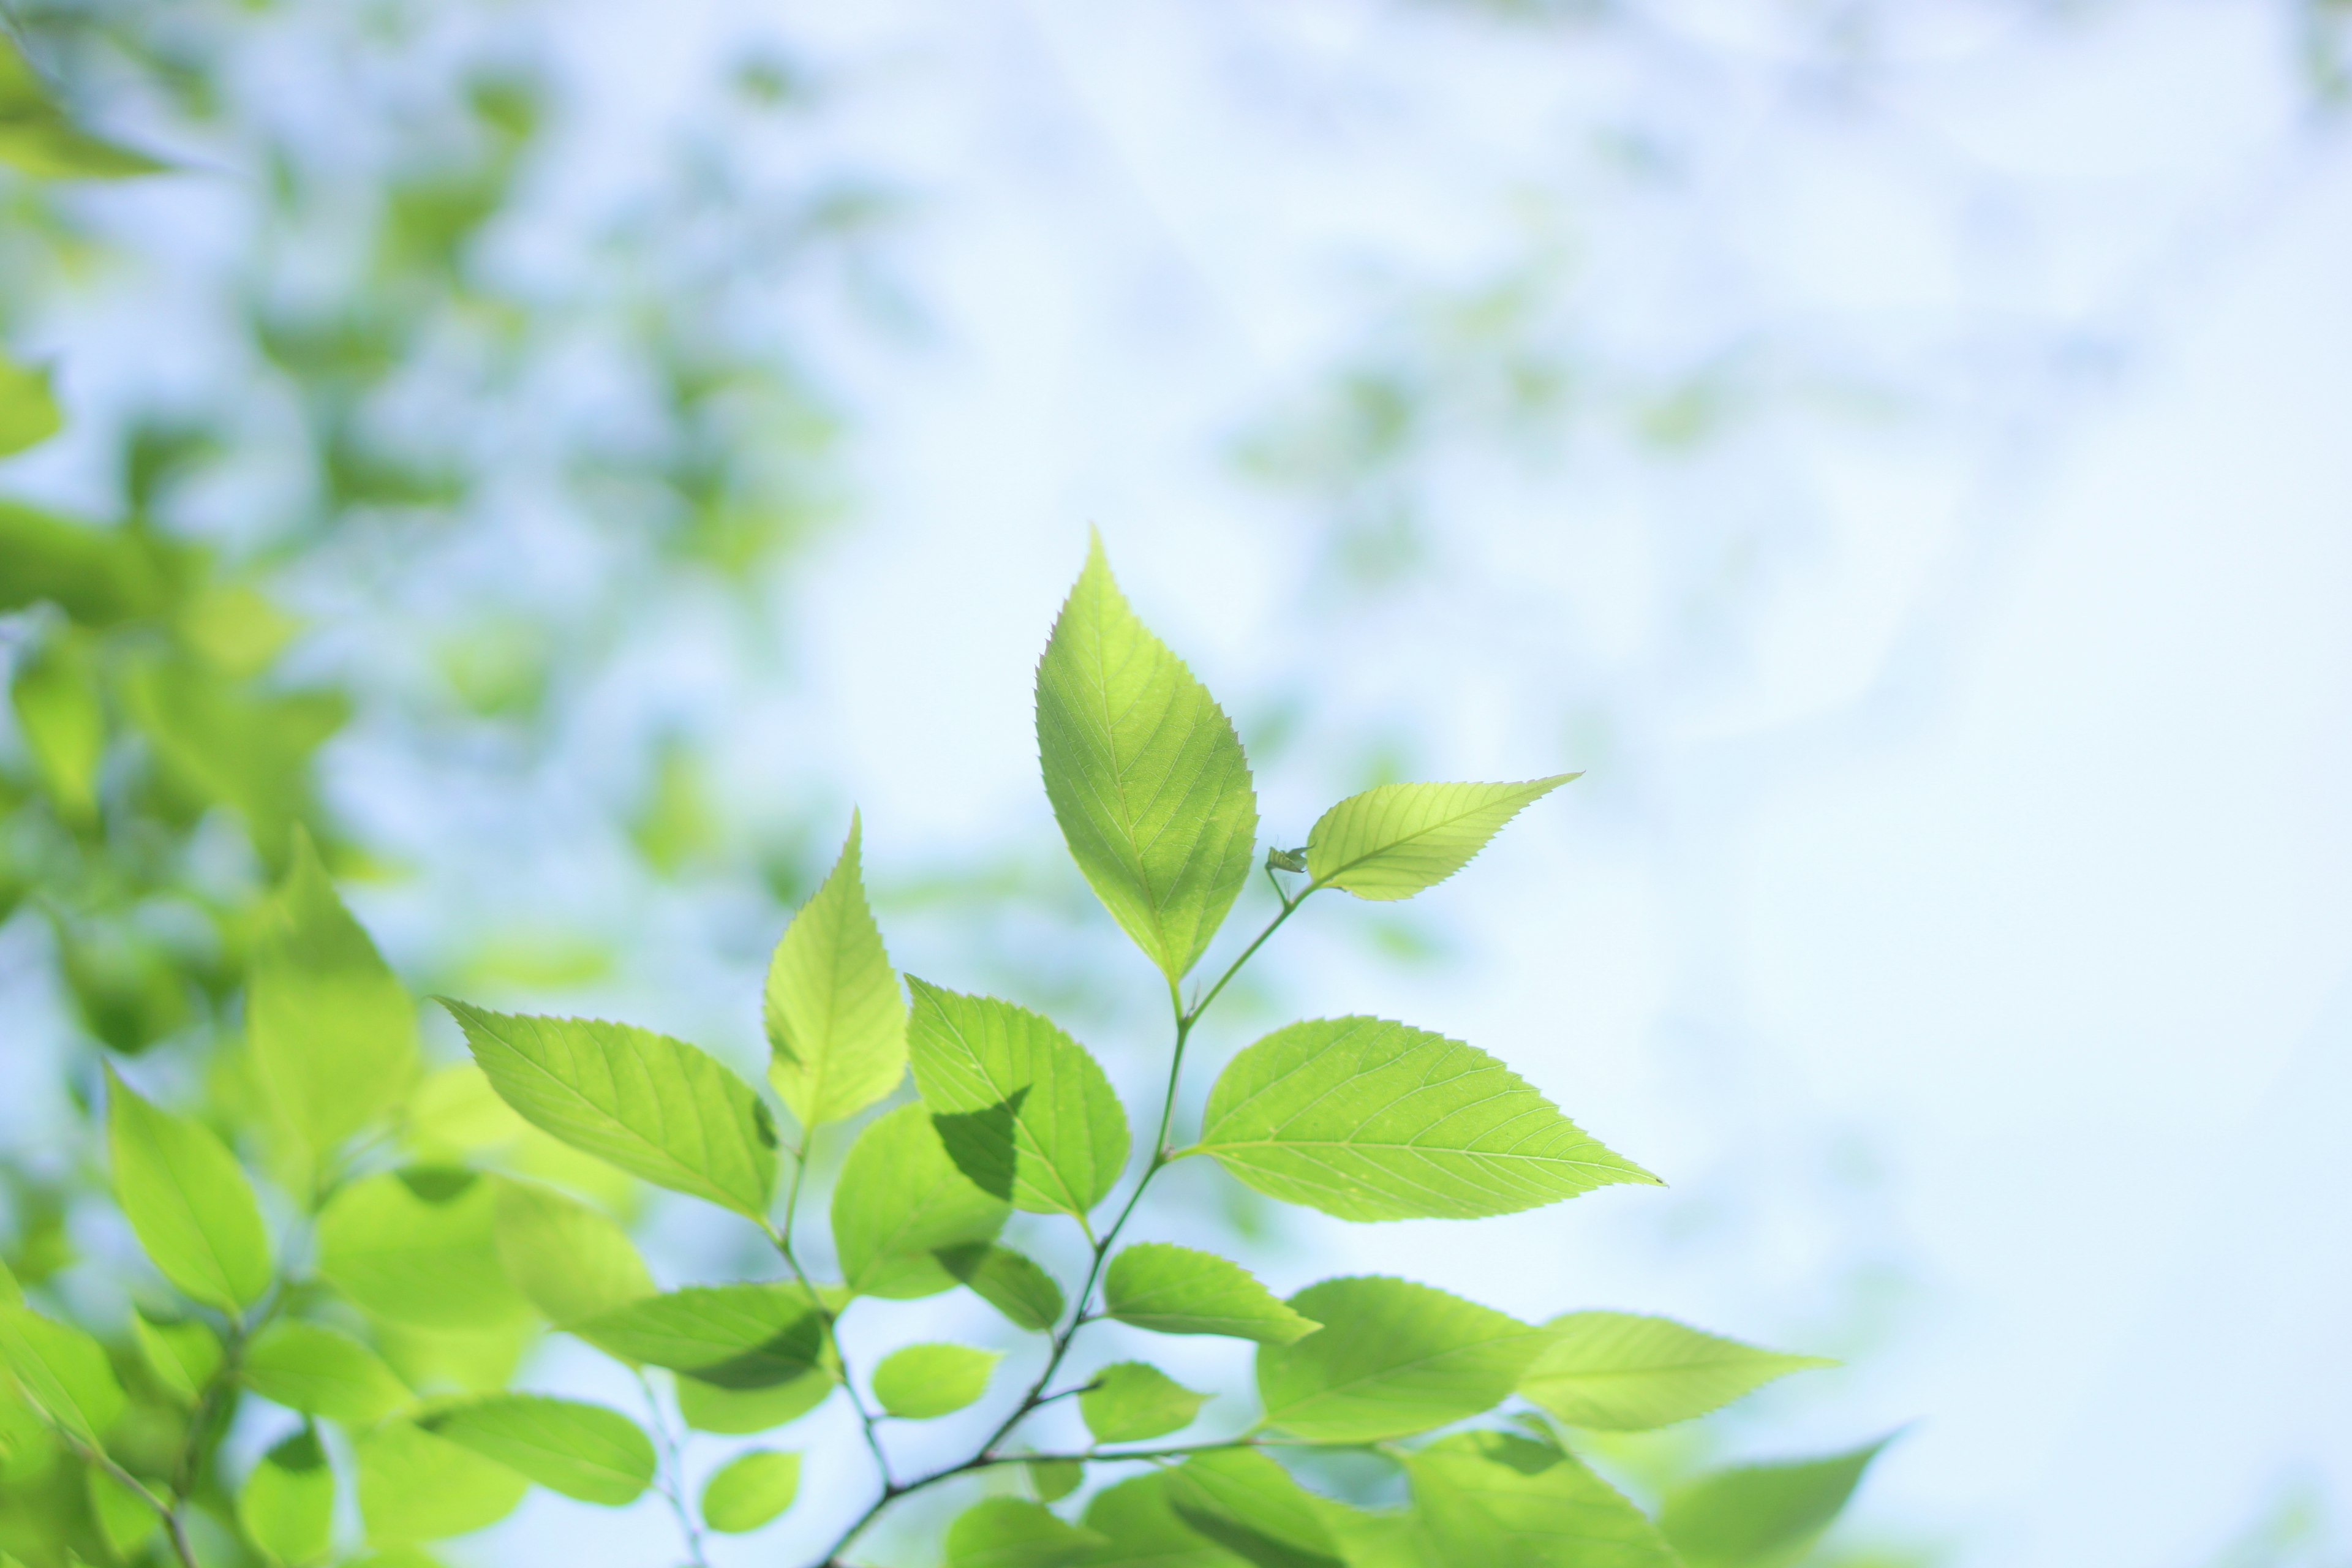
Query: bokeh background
x,y
1901,449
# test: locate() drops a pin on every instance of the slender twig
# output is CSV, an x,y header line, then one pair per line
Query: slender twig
x,y
987,1454
672,1473
783,1239
93,1455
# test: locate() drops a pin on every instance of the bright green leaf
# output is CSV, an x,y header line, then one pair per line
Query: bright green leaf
x,y
749,1490
416,1487
738,1412
1013,1283
1053,1480
126,1515
1175,1289
921,1382
1013,1532
333,1036
1143,1530
183,1352
288,1504
187,1201
1146,775
62,1371
1249,1505
898,1202
1761,1516
320,1371
1503,1502
655,1106
1130,1400
1392,1359
1023,1108
733,1336
569,1260
834,1016
1620,1371
584,1451
62,717
419,1246
1368,1119
1393,841
28,413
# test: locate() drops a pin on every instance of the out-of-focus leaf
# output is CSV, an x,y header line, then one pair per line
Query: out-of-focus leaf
x,y
1621,1372
220,739
738,1412
288,1504
28,413
1249,1505
62,1371
921,1382
37,138
183,1352
900,1202
571,1261
1761,1516
126,1517
187,1201
584,1451
1392,1358
1013,1532
749,1490
419,1246
416,1487
97,576
1492,1498
834,1018
1128,1401
1013,1283
323,1372
735,1336
62,716
1141,1529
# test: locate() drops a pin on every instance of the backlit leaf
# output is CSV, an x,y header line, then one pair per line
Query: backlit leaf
x,y
320,1371
738,1412
333,1036
183,1352
1013,1283
900,1202
1177,1291
655,1106
416,1487
1393,841
569,1260
1021,1106
921,1382
62,1371
1392,1358
187,1201
1053,1480
1013,1532
126,1515
1249,1505
749,1490
584,1451
1503,1502
834,1018
1141,1529
1621,1372
419,1246
28,413
287,1503
1131,1400
61,715
1370,1120
1145,774
734,1336
1761,1516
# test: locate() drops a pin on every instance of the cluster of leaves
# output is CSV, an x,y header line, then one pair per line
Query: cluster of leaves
x,y
404,1232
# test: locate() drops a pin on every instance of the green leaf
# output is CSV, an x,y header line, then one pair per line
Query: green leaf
x,y
1130,1400
321,1372
1053,1480
584,1451
834,1016
1761,1516
1022,1108
62,1371
37,138
416,1487
1620,1371
749,1490
126,1515
900,1200
1146,775
1503,1502
655,1106
733,1336
1367,1120
61,714
1013,1283
1249,1505
1392,1359
1393,841
738,1412
28,413
183,1352
921,1382
1013,1532
332,1034
187,1201
1142,1530
571,1261
288,1504
1172,1290
419,1246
